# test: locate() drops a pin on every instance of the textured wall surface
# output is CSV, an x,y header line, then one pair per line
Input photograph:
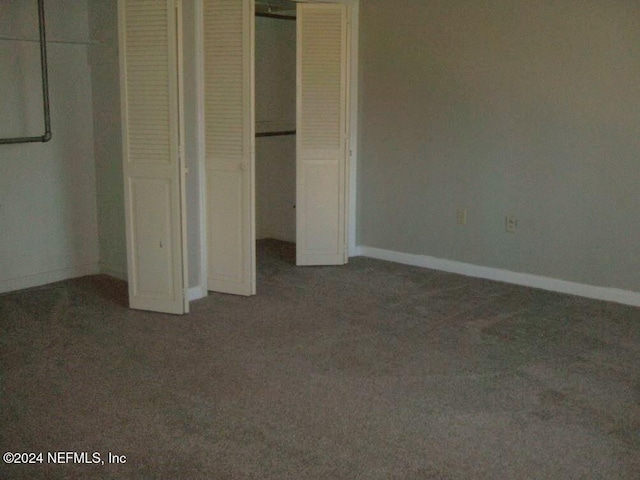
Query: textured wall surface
x,y
48,218
503,107
105,81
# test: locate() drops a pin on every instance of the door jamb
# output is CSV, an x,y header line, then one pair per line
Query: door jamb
x,y
201,161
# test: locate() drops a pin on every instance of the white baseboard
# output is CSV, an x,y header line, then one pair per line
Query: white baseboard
x,y
625,297
43,278
196,293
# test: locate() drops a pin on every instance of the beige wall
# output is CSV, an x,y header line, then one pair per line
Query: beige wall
x,y
503,106
105,80
48,215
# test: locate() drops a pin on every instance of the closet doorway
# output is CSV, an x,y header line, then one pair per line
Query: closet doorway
x,y
275,112
324,139
153,104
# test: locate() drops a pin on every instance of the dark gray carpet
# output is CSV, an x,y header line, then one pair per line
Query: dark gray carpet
x,y
368,371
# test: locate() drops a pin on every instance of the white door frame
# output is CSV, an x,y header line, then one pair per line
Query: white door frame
x,y
201,165
352,160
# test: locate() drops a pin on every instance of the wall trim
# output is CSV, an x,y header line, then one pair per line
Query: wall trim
x,y
200,152
196,293
625,297
52,276
354,95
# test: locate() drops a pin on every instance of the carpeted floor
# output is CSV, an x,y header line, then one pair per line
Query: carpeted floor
x,y
368,371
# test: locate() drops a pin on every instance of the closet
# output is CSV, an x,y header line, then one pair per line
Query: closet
x,y
275,103
250,186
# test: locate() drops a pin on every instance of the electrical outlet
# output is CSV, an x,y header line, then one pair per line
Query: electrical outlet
x,y
462,216
511,223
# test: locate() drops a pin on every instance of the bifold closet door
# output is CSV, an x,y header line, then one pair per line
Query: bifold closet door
x,y
321,134
153,174
229,144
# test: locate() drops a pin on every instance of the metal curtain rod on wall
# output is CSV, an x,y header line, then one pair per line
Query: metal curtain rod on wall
x,y
45,87
62,42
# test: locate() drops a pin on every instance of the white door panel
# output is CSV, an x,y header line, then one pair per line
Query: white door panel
x,y
319,183
150,216
229,143
321,134
152,171
226,253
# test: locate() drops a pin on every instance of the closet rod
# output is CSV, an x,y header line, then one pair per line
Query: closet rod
x,y
276,134
45,87
275,15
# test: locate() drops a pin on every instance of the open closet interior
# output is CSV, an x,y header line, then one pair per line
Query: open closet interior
x,y
275,104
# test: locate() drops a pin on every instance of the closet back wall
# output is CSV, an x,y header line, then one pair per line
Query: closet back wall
x,y
275,111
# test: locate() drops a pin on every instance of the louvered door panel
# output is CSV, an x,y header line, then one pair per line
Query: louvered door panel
x,y
321,139
147,86
229,143
149,89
